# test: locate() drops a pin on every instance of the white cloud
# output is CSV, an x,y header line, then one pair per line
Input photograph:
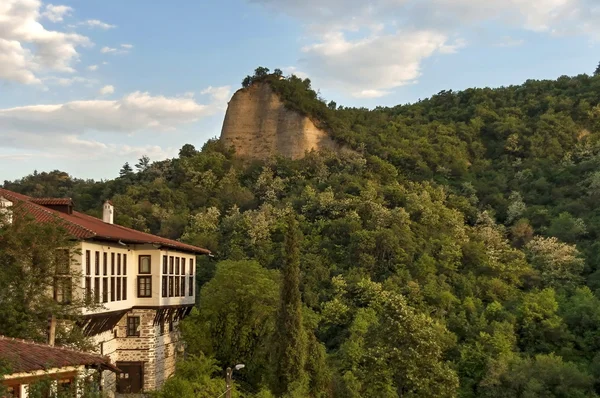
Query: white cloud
x,y
29,126
112,50
86,129
95,23
67,81
369,47
92,67
368,68
27,48
56,13
219,95
107,90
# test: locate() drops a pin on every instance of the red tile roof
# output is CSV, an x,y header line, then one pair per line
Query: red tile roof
x,y
52,201
82,226
26,356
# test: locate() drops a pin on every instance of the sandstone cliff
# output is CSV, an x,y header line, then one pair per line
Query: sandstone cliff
x,y
258,125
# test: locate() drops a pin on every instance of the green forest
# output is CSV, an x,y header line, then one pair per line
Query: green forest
x,y
452,252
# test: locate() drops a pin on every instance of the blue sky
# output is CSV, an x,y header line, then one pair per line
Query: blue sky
x,y
86,85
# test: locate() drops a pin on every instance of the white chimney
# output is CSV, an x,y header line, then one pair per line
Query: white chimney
x,y
108,212
5,210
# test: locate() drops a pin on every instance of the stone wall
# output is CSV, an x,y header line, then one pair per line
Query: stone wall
x,y
258,126
157,351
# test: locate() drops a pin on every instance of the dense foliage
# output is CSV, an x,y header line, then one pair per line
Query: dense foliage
x,y
453,253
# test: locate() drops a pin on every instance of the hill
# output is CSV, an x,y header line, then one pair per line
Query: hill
x,y
453,253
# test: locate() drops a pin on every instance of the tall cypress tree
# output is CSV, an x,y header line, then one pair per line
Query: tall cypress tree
x,y
290,338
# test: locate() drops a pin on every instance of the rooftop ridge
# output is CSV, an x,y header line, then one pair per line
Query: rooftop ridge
x,y
62,348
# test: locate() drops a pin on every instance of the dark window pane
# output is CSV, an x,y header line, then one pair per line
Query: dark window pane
x,y
124,288
171,260
124,264
112,263
112,288
88,265
105,290
118,263
176,287
170,286
164,286
165,265
191,266
177,266
191,279
118,289
133,323
97,263
182,293
105,264
97,290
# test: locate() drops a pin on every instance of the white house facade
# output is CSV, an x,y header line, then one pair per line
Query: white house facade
x,y
142,286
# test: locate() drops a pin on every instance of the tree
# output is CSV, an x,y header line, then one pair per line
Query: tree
x,y
597,71
290,342
278,72
126,171
187,151
247,81
37,281
559,264
143,163
237,317
261,72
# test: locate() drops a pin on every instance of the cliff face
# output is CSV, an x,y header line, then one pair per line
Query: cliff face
x,y
258,125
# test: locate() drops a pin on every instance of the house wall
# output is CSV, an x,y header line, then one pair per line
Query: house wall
x,y
157,351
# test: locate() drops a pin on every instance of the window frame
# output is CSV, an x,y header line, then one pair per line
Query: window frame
x,y
143,257
133,322
147,286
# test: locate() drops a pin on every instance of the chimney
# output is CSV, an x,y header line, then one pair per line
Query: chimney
x,y
5,211
108,212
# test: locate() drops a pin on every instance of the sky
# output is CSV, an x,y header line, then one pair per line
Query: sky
x,y
87,85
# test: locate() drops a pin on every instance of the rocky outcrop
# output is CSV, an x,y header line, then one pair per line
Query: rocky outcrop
x,y
258,125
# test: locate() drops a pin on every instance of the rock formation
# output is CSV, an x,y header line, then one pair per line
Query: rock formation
x,y
258,125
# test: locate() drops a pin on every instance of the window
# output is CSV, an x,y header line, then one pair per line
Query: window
x,y
191,266
176,265
105,264
182,294
182,266
170,286
112,263
164,265
96,290
112,288
62,262
176,287
144,265
165,281
191,278
124,288
97,263
118,289
118,263
88,269
170,264
105,290
88,289
62,289
124,264
133,326
144,286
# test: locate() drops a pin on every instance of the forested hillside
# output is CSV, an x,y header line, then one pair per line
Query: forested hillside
x,y
454,252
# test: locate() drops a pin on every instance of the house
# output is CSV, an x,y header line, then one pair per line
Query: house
x,y
144,285
51,368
